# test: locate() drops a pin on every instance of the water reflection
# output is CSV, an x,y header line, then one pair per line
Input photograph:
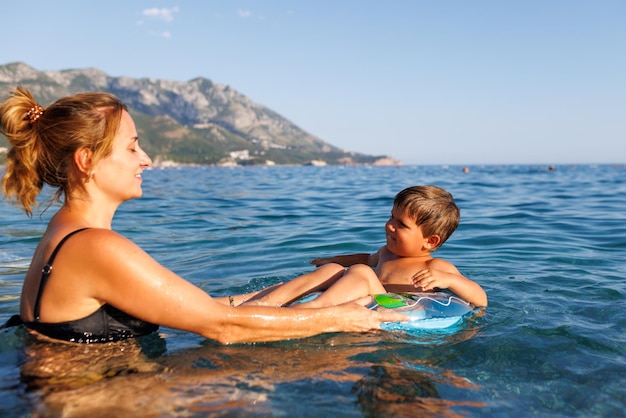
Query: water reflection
x,y
57,366
394,390
374,374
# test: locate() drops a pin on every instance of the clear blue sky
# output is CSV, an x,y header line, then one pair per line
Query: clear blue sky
x,y
427,82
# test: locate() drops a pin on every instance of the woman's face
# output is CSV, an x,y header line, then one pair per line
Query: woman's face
x,y
119,174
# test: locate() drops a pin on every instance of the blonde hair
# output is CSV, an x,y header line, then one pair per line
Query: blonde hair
x,y
44,141
432,208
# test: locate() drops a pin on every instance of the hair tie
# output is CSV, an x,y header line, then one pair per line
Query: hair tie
x,y
34,113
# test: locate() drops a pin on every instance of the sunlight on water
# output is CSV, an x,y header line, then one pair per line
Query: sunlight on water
x,y
547,246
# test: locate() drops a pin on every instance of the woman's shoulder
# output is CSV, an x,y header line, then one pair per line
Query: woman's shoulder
x,y
93,242
87,234
104,256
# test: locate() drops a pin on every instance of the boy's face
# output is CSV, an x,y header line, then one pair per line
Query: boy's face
x,y
404,236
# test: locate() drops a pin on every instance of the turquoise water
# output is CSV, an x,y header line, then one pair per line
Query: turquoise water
x,y
549,247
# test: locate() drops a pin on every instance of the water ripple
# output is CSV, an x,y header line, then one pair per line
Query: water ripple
x,y
549,247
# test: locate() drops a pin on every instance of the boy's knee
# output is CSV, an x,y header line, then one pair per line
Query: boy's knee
x,y
362,269
367,276
331,268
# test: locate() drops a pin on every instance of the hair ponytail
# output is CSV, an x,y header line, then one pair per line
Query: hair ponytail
x,y
44,141
19,122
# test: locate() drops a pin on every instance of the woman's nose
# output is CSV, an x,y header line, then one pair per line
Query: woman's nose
x,y
146,161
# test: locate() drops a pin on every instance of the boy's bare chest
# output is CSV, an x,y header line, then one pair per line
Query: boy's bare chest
x,y
399,270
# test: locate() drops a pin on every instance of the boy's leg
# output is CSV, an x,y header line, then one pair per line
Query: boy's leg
x,y
359,281
319,279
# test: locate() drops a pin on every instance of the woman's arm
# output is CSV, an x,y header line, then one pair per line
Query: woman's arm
x,y
126,277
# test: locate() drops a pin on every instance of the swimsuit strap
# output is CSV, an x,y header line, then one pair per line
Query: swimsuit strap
x,y
47,269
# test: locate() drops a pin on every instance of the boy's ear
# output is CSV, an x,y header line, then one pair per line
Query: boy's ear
x,y
82,159
433,241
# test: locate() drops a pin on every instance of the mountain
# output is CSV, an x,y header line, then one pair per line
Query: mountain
x,y
194,122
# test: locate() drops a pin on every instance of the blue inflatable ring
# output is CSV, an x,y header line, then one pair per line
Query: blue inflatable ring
x,y
426,310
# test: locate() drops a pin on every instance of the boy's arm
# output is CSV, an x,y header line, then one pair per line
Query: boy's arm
x,y
441,274
348,260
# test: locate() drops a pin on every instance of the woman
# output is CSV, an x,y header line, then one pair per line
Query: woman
x,y
86,283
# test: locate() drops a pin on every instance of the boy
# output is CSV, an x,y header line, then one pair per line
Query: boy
x,y
422,219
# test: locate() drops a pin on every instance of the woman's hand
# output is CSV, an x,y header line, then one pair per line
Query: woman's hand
x,y
360,319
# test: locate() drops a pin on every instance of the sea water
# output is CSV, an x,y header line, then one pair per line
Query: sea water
x,y
548,244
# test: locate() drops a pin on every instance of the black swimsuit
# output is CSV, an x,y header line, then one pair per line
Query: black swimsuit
x,y
104,325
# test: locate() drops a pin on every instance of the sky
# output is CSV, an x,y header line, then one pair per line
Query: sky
x,y
425,82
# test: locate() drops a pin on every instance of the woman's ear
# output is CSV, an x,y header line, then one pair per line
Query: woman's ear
x,y
82,160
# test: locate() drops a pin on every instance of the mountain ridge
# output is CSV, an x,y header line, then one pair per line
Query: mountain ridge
x,y
193,122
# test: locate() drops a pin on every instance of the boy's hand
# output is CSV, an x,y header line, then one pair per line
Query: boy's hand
x,y
432,279
320,261
429,280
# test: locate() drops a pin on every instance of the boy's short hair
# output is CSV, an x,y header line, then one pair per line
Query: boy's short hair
x,y
432,208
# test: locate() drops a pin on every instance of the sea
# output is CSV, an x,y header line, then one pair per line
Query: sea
x,y
547,243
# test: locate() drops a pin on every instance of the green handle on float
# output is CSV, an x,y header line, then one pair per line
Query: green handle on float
x,y
390,301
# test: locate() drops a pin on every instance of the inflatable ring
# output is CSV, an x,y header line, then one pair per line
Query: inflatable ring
x,y
426,310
